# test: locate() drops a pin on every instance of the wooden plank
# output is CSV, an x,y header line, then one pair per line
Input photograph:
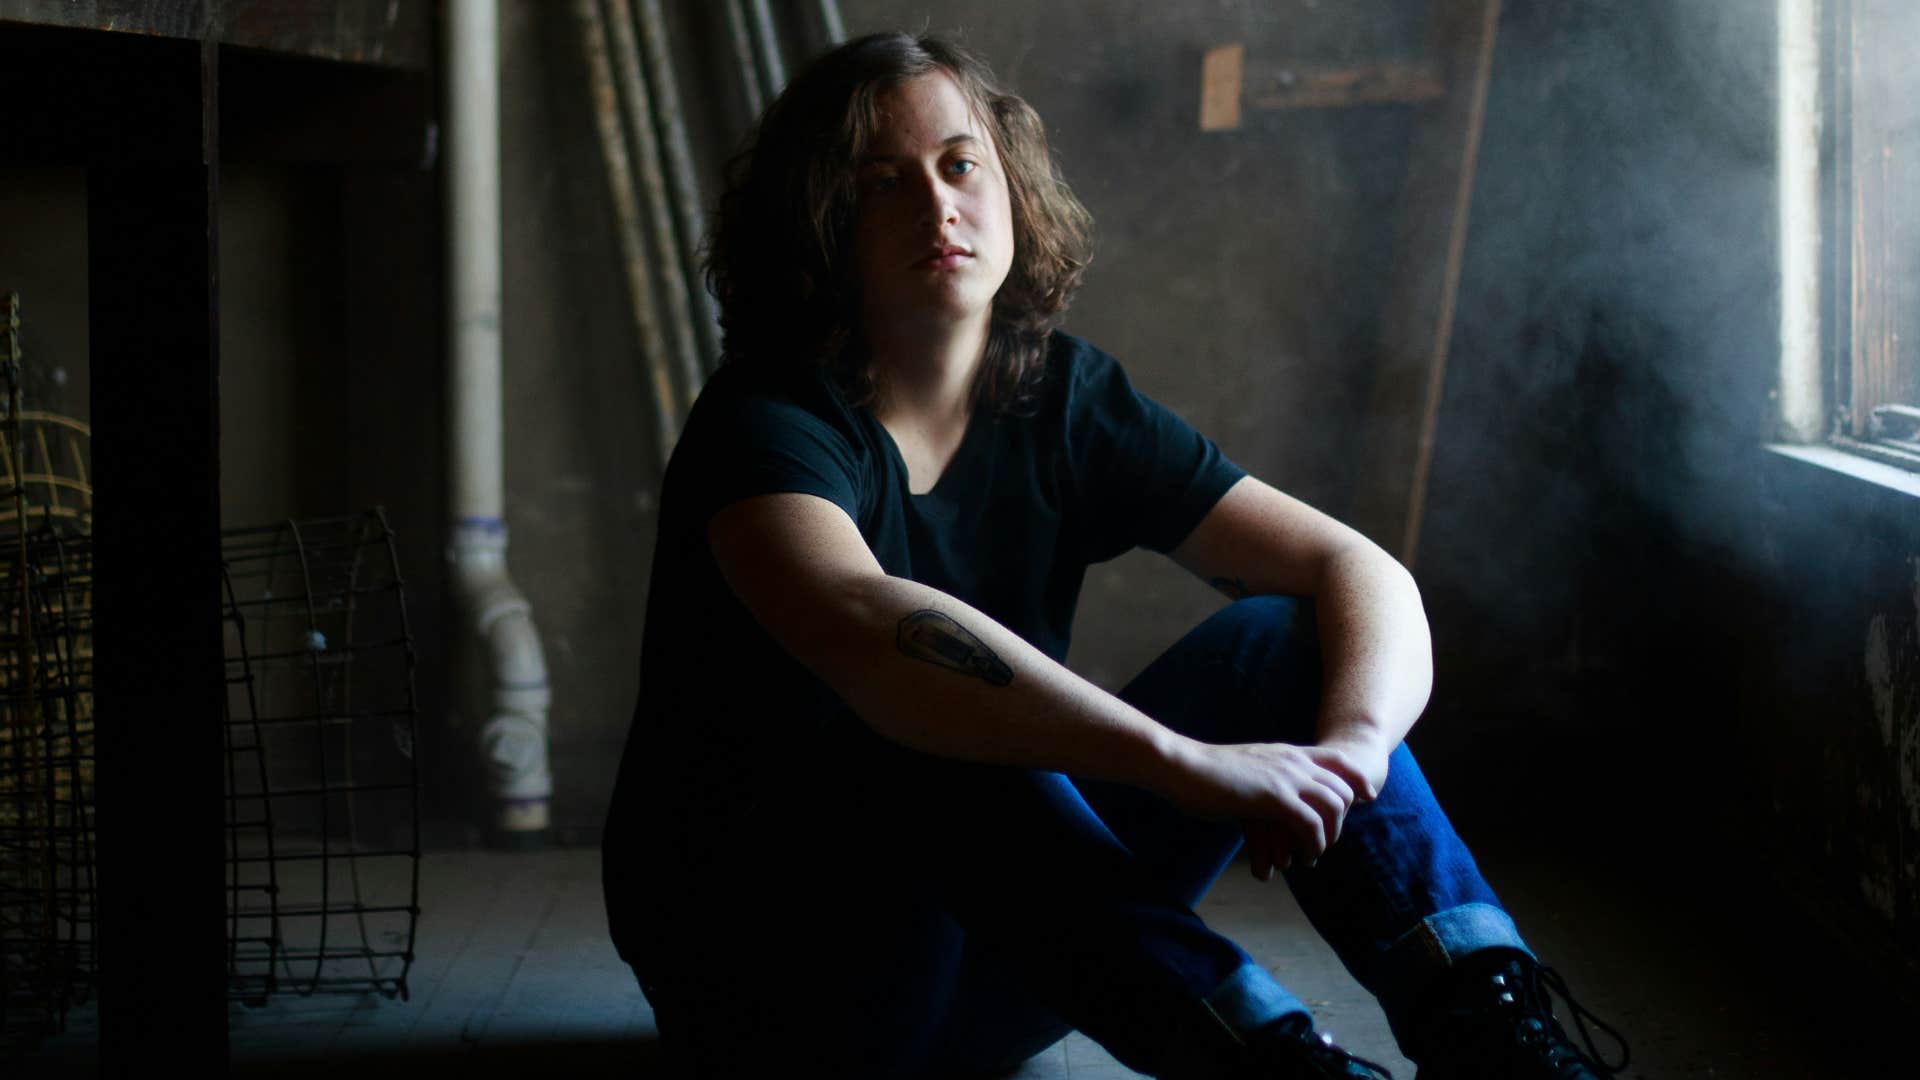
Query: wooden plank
x,y
1220,87
182,19
382,33
1301,86
159,687
385,33
1228,83
1416,327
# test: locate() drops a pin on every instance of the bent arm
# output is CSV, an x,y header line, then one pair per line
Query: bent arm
x,y
919,666
931,672
1376,652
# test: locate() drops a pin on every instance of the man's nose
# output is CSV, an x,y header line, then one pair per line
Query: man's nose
x,y
936,200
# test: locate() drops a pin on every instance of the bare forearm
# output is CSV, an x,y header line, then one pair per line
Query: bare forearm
x,y
1375,646
1373,631
930,672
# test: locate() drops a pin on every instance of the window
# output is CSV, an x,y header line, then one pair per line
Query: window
x,y
1849,157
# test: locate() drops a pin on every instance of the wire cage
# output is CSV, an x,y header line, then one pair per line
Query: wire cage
x,y
322,791
47,957
323,825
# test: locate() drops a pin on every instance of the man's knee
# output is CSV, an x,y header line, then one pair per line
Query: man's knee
x,y
1267,634
1250,672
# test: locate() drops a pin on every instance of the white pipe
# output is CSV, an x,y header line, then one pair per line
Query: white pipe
x,y
830,24
1802,408
648,333
672,123
644,139
513,739
742,39
773,71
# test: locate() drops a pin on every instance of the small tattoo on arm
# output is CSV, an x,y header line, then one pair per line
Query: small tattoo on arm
x,y
1232,586
933,637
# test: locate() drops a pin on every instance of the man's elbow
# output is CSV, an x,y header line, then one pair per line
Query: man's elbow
x,y
1362,559
837,627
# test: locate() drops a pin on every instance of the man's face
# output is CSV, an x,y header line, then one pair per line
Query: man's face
x,y
933,226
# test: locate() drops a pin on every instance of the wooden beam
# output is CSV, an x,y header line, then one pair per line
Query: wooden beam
x,y
185,20
1300,86
1228,84
1417,325
386,33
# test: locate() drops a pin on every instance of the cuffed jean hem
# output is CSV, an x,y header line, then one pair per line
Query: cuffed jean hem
x,y
1249,1000
1404,974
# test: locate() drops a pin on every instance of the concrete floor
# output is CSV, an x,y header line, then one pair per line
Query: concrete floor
x,y
515,972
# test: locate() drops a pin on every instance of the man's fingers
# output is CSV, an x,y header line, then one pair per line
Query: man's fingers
x,y
1340,785
1260,850
1309,830
1333,797
1330,798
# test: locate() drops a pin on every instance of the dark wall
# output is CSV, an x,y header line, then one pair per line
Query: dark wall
x,y
43,257
1611,359
1649,628
582,464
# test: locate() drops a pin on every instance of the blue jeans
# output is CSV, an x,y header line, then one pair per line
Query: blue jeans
x,y
906,915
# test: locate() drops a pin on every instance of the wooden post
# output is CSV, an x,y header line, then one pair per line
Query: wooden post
x,y
1417,325
152,251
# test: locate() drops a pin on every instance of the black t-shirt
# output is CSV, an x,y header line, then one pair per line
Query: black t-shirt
x,y
1024,507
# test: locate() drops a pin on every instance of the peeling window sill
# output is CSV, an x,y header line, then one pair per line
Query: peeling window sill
x,y
1890,478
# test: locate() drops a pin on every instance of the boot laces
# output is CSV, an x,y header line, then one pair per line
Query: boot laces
x,y
1540,1029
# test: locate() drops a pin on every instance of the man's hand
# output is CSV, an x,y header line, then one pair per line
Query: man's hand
x,y
1291,800
1361,761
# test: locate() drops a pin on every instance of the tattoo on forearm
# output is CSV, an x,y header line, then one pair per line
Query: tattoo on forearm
x,y
933,637
1232,586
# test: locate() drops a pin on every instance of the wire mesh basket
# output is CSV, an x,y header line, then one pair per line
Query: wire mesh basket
x,y
323,852
47,957
322,791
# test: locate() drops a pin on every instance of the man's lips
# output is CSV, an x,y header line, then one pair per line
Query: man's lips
x,y
943,257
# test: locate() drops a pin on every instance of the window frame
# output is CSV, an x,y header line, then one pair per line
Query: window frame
x,y
1890,432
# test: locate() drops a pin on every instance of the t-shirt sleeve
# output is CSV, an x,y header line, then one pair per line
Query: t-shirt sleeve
x,y
754,445
1144,476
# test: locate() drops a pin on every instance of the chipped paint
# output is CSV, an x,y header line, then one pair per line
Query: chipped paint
x,y
1888,791
1909,757
1879,894
1880,676
1910,775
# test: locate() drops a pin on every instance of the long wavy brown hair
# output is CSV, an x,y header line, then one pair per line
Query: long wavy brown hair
x,y
780,259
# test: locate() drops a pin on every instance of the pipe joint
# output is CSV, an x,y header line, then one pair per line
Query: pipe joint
x,y
513,741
